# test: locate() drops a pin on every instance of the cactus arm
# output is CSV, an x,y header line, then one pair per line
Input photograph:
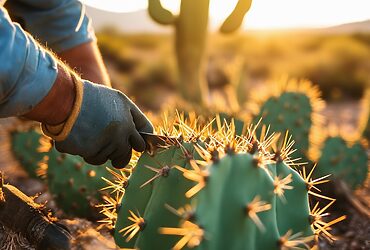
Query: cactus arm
x,y
235,19
159,14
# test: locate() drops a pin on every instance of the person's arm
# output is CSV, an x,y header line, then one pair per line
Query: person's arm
x,y
27,72
56,106
87,61
86,119
62,26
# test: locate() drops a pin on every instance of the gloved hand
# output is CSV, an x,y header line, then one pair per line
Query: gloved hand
x,y
104,124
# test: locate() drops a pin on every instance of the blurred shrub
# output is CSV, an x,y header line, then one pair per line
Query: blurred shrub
x,y
339,64
339,67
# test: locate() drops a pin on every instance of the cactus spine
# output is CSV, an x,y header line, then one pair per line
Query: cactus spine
x,y
191,28
215,190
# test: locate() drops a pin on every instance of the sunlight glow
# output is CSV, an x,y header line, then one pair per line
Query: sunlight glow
x,y
264,14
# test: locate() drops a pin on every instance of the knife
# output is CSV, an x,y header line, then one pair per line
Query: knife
x,y
155,142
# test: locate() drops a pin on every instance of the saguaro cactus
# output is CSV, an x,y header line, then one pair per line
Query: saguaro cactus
x,y
191,28
215,190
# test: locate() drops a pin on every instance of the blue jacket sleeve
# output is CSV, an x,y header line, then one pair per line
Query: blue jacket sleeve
x,y
27,71
58,24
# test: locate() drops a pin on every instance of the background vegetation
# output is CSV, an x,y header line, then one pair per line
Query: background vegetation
x,y
338,63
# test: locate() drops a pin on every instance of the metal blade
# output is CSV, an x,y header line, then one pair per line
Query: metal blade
x,y
155,142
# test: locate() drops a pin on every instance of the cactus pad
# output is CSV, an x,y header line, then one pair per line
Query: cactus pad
x,y
342,162
30,148
215,190
292,106
75,184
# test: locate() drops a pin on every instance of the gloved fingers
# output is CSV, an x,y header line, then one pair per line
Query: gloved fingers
x,y
137,142
119,155
142,123
61,148
102,156
122,160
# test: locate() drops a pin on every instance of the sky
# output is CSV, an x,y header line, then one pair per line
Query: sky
x,y
265,14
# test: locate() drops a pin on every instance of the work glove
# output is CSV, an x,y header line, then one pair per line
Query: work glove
x,y
104,125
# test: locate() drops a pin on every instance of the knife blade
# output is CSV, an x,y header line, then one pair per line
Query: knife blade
x,y
155,142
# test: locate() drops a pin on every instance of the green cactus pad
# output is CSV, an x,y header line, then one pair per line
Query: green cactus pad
x,y
215,190
75,184
234,182
149,200
290,111
349,164
297,214
294,106
30,148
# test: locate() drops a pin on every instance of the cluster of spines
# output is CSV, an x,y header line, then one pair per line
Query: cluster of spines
x,y
212,146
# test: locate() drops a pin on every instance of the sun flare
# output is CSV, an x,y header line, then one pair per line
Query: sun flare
x,y
264,14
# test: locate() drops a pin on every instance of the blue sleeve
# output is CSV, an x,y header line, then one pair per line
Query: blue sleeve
x,y
27,71
58,24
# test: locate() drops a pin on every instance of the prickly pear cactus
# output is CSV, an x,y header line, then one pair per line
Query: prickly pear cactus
x,y
74,184
215,190
292,106
343,162
30,147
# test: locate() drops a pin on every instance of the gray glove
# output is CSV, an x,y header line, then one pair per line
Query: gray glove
x,y
106,125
